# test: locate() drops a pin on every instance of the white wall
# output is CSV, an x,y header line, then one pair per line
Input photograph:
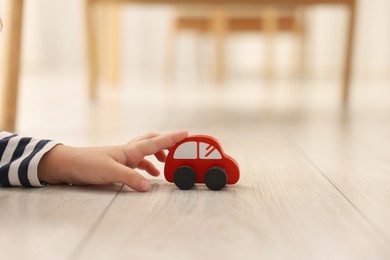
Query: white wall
x,y
54,38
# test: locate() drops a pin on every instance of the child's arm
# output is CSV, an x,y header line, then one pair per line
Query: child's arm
x,y
19,158
105,165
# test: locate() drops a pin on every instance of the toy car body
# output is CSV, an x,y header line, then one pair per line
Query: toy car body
x,y
200,159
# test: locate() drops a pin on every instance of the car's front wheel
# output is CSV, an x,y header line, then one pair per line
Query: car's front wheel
x,y
184,177
215,178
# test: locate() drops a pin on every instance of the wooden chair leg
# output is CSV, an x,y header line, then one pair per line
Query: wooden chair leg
x,y
108,47
112,36
219,31
349,53
269,15
92,50
170,50
13,29
300,34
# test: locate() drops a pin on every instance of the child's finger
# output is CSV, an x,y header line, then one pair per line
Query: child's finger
x,y
149,167
161,156
145,136
130,177
156,144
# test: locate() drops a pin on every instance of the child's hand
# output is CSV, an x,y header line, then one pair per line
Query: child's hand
x,y
105,165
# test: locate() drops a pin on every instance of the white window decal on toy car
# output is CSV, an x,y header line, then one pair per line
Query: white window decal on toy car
x,y
186,151
207,151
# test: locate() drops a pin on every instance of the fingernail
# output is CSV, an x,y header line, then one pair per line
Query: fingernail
x,y
145,185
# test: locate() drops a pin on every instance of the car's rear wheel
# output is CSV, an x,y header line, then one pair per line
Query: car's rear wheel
x,y
215,178
184,177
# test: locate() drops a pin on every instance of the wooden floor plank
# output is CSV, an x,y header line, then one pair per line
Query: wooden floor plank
x,y
353,153
282,208
49,222
314,186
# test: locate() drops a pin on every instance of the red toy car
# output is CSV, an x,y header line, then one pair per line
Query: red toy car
x,y
200,159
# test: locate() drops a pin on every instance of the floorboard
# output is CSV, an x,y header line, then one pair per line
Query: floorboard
x,y
353,154
49,222
282,208
314,185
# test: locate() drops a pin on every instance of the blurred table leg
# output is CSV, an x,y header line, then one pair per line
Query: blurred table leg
x,y
348,52
270,17
219,31
91,48
112,35
13,28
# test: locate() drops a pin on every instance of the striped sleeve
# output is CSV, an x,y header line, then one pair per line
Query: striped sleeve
x,y
19,159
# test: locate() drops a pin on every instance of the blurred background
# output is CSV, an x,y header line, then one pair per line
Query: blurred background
x,y
270,82
158,68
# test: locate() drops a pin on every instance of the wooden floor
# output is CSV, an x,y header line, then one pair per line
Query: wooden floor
x,y
315,176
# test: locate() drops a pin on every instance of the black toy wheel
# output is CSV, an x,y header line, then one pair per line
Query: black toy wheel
x,y
184,177
215,178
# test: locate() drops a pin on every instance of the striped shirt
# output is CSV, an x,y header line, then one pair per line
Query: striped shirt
x,y
19,159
